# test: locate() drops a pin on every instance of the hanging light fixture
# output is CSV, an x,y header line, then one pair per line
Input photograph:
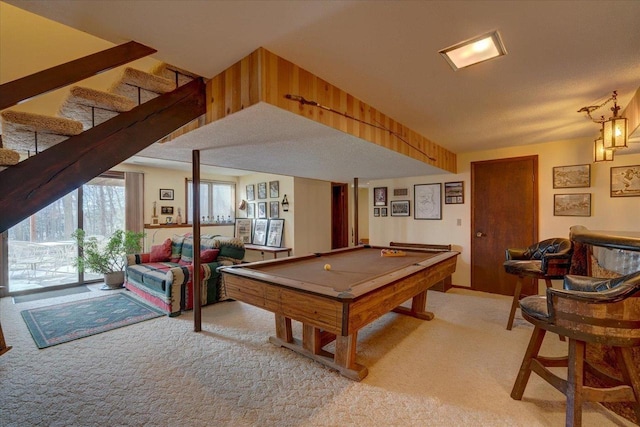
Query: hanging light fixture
x,y
601,154
614,130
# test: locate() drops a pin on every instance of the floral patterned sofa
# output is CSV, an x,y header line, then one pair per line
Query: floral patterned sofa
x,y
163,277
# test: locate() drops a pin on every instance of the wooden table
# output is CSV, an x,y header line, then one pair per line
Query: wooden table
x,y
334,304
270,249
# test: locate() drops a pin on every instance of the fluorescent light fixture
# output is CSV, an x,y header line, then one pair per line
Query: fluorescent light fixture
x,y
475,50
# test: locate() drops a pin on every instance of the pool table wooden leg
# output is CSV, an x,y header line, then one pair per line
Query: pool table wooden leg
x,y
283,328
418,308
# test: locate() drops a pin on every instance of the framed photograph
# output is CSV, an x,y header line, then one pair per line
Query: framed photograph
x,y
400,192
400,208
576,176
454,193
625,181
166,194
376,211
384,212
380,196
260,231
262,190
276,228
274,209
572,204
251,210
250,193
166,210
274,189
427,201
243,229
262,209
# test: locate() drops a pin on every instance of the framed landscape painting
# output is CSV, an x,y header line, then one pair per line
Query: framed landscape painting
x,y
572,176
572,204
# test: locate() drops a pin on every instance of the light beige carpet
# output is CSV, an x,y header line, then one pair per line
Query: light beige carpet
x,y
456,370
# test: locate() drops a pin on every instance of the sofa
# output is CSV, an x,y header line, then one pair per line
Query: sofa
x,y
163,277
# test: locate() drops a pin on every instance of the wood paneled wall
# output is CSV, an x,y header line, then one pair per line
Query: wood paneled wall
x,y
265,77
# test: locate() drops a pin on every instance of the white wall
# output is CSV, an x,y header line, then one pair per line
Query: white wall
x,y
607,213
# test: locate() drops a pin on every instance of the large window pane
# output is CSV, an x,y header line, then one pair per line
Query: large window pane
x,y
217,201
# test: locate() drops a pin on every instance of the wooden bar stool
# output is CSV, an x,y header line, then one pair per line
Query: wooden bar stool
x,y
587,310
549,260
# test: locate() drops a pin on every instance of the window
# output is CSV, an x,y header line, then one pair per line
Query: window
x,y
217,201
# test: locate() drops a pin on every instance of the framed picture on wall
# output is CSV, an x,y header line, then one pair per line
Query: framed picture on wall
x,y
251,210
427,201
250,193
454,193
262,190
380,196
274,189
260,231
575,176
384,212
625,181
376,211
262,210
578,204
274,209
166,194
400,208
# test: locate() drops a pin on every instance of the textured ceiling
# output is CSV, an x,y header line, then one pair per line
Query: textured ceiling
x,y
561,56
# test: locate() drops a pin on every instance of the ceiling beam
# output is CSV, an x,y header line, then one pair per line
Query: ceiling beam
x,y
265,77
44,178
71,72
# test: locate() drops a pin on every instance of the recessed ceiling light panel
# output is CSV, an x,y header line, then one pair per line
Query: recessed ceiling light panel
x,y
474,51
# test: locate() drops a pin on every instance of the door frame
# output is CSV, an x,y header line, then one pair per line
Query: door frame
x,y
339,216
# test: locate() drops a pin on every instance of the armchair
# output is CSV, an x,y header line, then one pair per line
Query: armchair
x,y
549,259
587,310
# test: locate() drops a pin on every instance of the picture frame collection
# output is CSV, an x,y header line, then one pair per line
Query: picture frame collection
x,y
258,204
427,200
260,231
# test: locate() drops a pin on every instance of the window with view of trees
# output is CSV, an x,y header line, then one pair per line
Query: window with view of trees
x,y
217,201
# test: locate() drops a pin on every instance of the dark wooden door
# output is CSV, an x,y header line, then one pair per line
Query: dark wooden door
x,y
339,218
504,214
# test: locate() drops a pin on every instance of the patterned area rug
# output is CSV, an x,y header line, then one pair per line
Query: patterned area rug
x,y
62,323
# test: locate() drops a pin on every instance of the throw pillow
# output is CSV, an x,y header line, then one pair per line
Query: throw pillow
x,y
161,253
176,247
209,255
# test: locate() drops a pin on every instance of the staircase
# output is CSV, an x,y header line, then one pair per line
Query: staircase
x,y
92,132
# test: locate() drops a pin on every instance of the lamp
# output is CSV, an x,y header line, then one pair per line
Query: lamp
x,y
285,204
601,154
614,130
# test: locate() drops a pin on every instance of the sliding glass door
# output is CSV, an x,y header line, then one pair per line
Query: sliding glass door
x,y
41,250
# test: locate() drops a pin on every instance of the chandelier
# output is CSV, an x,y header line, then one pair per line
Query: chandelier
x,y
613,132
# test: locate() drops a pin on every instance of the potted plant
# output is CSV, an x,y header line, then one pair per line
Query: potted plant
x,y
108,257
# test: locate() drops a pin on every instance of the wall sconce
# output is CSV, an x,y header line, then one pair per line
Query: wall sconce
x,y
615,129
285,204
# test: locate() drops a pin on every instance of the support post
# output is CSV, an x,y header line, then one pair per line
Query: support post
x,y
356,237
197,306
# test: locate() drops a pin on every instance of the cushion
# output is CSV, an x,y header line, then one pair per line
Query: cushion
x,y
160,253
176,247
209,255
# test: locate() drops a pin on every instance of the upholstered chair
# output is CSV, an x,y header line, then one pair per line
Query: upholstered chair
x,y
549,260
587,311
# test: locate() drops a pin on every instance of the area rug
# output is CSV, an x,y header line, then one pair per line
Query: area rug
x,y
57,324
50,294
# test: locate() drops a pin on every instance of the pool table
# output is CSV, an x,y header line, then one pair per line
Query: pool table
x,y
334,294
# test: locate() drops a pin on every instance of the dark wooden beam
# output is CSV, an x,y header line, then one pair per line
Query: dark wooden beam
x,y
197,304
70,72
40,180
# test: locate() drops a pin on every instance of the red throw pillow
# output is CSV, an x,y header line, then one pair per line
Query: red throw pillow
x,y
209,255
161,253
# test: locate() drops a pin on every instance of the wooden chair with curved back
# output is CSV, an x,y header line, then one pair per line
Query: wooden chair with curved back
x,y
588,310
548,260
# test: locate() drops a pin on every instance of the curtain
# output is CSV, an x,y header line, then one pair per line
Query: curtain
x,y
134,201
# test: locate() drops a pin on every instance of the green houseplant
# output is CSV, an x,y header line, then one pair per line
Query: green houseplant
x,y
108,257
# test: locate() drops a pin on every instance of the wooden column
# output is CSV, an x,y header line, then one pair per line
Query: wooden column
x,y
356,238
197,308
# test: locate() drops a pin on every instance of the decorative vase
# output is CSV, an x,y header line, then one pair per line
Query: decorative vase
x,y
113,280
